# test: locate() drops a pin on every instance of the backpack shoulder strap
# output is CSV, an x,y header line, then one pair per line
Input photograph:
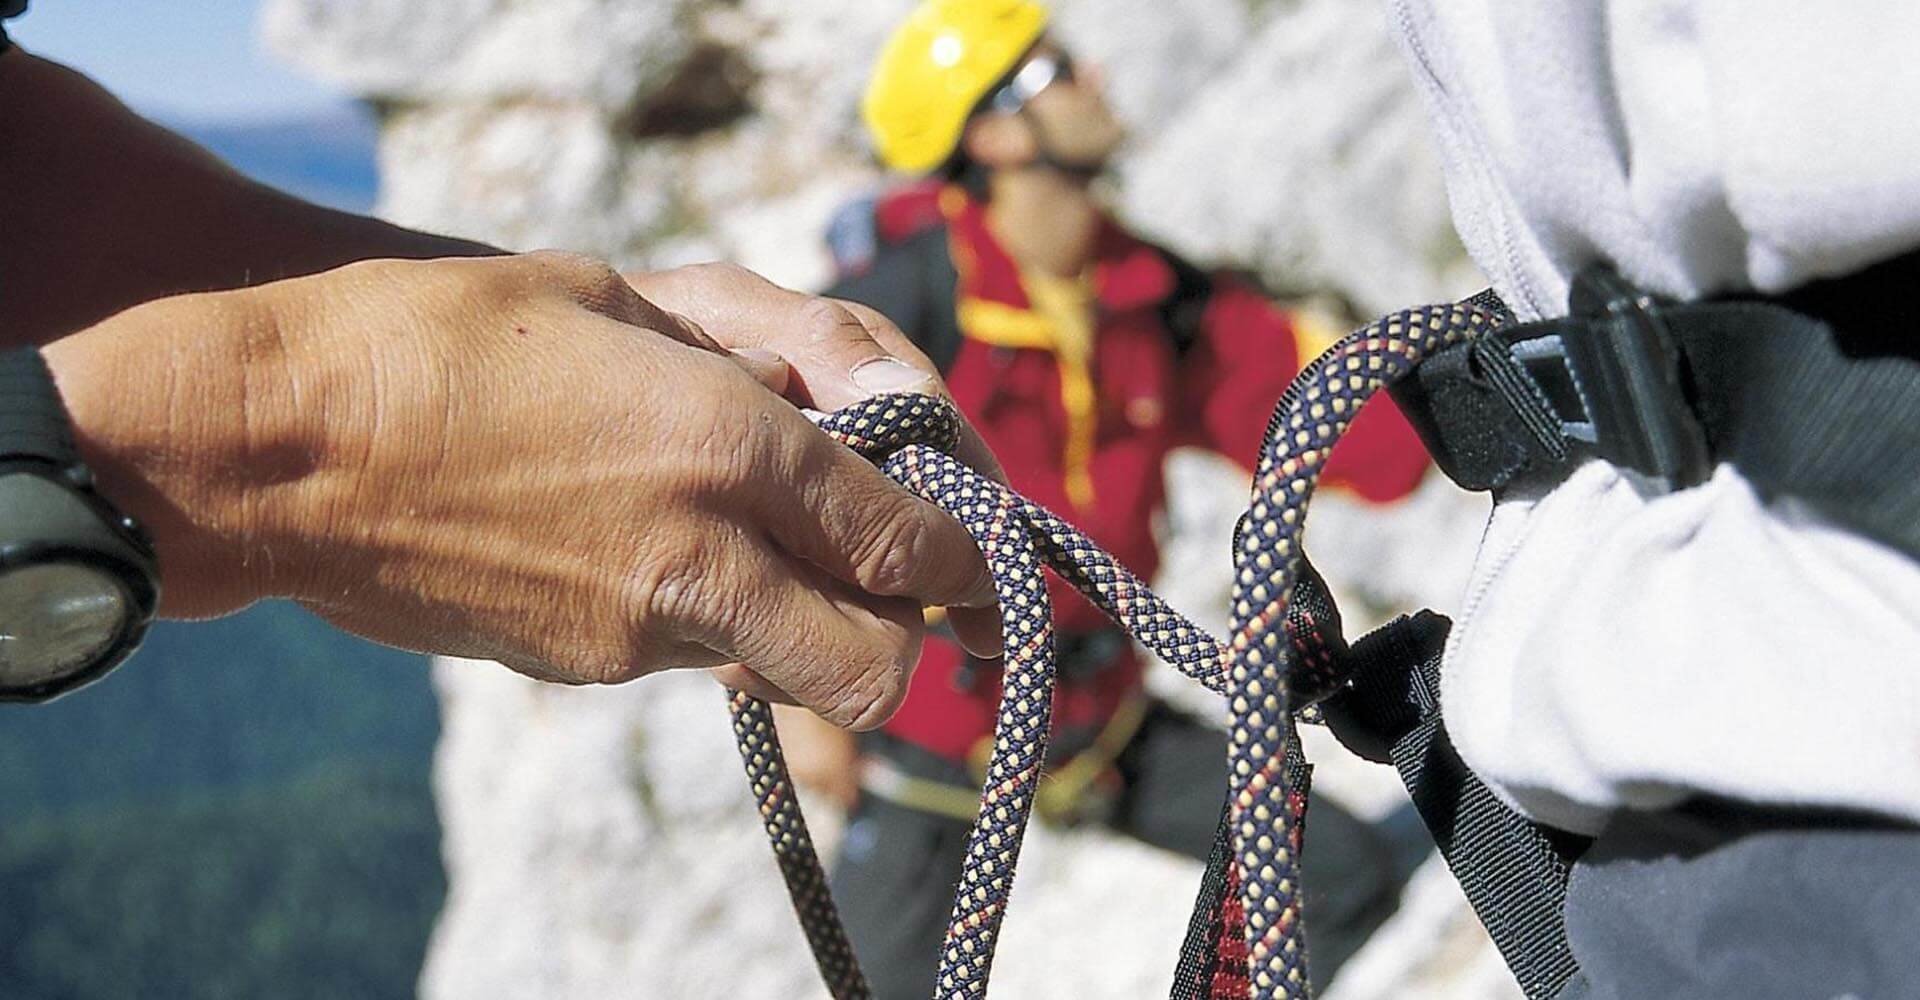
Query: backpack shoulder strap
x,y
914,284
1184,310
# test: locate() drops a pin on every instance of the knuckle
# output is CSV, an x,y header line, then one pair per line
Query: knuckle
x,y
675,594
869,319
894,548
868,699
575,667
499,281
722,273
604,285
824,321
566,263
596,667
589,280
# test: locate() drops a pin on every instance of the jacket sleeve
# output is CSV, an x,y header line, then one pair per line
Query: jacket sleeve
x,y
1247,353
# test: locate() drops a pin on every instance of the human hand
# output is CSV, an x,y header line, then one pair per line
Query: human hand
x,y
505,458
841,353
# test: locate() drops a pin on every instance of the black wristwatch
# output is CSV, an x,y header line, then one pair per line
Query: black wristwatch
x,y
78,579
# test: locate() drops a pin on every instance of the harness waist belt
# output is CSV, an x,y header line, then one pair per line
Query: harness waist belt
x,y
1815,395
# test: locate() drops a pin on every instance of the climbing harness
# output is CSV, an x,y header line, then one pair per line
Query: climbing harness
x,y
1261,672
1804,393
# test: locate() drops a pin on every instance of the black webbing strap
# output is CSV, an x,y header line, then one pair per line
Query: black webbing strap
x,y
1514,871
33,423
1780,400
1814,395
1199,950
1512,868
1313,630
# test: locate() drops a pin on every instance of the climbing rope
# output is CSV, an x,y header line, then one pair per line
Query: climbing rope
x,y
1277,663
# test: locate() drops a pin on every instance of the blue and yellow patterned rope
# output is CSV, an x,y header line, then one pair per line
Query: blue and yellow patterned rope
x,y
910,436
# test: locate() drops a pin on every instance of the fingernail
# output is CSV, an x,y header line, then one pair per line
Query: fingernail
x,y
877,376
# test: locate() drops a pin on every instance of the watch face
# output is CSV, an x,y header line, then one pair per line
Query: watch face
x,y
57,619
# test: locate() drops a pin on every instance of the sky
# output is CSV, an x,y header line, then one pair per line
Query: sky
x,y
197,61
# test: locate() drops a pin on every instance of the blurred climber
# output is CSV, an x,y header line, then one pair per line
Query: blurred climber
x,y
1084,355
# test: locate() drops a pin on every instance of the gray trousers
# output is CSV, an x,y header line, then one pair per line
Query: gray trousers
x,y
1718,901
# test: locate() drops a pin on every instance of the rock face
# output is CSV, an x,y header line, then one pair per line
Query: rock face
x,y
600,842
1307,156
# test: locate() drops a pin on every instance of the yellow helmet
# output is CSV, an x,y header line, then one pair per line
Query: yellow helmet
x,y
935,70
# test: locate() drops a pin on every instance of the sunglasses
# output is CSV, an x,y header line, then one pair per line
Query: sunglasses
x,y
1040,71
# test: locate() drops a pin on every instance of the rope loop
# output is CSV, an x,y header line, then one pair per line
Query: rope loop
x,y
1284,654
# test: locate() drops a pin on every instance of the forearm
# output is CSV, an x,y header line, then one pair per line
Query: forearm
x,y
102,210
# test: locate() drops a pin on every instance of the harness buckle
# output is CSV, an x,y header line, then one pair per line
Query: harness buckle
x,y
1632,381
1610,379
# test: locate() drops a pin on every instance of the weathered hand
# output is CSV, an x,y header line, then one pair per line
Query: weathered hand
x,y
840,352
506,458
836,354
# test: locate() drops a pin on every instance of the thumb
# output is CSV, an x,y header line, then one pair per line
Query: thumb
x,y
841,361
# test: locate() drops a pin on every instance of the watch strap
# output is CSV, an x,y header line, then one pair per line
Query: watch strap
x,y
9,8
33,420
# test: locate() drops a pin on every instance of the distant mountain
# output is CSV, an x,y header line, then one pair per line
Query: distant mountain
x,y
241,810
327,158
265,697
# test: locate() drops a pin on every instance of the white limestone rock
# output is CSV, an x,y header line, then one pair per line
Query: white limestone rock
x,y
1308,157
598,52
600,842
526,177
1156,58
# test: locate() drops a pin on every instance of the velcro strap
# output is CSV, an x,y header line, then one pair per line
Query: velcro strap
x,y
33,422
1386,694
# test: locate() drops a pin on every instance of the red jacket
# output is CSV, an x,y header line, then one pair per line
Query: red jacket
x,y
1154,388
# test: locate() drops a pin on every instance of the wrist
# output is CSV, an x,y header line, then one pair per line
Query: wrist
x,y
191,413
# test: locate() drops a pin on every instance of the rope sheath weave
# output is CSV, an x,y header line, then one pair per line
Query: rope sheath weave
x,y
1276,664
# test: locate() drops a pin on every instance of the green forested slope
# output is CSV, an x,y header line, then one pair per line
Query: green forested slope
x,y
242,810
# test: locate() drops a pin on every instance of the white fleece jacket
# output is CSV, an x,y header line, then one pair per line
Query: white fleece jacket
x,y
1622,647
